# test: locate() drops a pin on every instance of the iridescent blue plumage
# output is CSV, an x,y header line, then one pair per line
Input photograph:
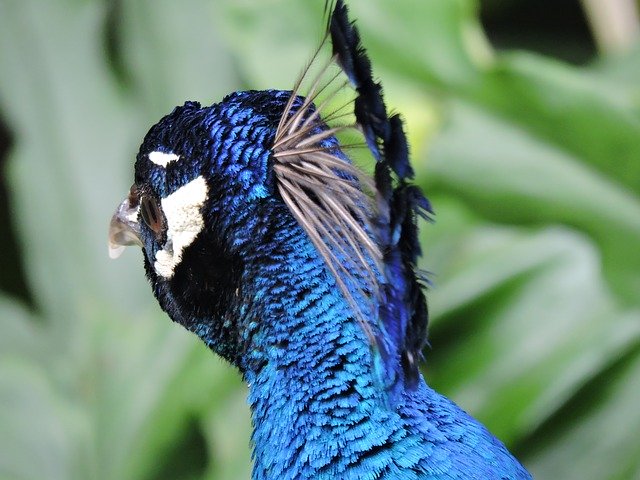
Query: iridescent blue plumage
x,y
230,204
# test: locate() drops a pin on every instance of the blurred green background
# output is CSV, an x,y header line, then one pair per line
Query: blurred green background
x,y
524,120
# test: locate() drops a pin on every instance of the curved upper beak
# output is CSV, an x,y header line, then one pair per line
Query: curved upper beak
x,y
124,229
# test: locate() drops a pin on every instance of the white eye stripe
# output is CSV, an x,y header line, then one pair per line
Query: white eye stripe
x,y
162,158
184,222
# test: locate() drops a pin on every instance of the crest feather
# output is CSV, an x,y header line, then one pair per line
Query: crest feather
x,y
365,229
325,192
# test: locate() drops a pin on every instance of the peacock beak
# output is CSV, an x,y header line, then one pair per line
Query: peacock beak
x,y
124,229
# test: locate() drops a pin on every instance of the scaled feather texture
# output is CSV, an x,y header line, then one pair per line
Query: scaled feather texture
x,y
260,235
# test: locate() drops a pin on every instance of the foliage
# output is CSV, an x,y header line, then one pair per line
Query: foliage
x,y
533,167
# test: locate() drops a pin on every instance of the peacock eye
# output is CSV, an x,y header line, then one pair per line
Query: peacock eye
x,y
151,214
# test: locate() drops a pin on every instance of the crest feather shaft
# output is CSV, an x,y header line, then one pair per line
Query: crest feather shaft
x,y
326,193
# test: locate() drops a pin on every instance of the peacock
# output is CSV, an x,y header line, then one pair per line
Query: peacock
x,y
260,235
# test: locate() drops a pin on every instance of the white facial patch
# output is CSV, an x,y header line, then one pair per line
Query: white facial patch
x,y
162,158
184,222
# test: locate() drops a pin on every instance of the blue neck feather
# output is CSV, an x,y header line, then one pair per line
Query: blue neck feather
x,y
310,369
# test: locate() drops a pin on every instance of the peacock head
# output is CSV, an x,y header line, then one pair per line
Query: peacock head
x,y
196,168
202,176
215,184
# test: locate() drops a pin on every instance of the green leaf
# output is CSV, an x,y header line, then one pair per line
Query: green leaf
x,y
67,169
440,43
21,334
522,345
269,55
595,437
173,52
38,426
510,175
568,109
229,448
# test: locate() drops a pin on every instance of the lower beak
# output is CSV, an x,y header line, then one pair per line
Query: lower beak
x,y
124,229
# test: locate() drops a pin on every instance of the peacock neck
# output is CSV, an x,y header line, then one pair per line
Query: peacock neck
x,y
314,385
310,369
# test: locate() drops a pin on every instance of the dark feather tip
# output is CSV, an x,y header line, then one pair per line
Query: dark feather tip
x,y
405,315
396,149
